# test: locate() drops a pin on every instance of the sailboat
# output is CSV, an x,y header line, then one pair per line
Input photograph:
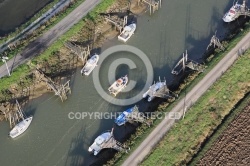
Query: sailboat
x,y
22,126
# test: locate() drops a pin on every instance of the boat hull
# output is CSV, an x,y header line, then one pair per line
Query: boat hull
x,y
127,32
90,65
21,127
118,85
232,14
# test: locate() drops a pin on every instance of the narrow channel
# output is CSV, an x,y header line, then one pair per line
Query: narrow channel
x,y
55,139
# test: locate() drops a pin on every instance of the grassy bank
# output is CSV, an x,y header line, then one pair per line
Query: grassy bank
x,y
73,31
234,113
142,132
22,71
42,29
184,140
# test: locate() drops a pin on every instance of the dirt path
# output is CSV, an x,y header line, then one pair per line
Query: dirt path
x,y
43,42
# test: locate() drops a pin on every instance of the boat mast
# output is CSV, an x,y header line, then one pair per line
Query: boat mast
x,y
244,4
183,62
21,113
186,56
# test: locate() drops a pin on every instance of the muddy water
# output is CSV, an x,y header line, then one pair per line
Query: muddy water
x,y
15,12
55,139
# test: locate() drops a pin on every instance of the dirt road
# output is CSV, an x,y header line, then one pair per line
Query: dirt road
x,y
43,42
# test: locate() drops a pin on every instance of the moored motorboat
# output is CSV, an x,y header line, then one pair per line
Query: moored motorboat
x,y
90,65
118,85
234,12
127,32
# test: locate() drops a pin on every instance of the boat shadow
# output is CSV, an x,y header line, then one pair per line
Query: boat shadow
x,y
74,156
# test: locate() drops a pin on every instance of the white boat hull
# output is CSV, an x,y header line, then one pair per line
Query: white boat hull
x,y
232,14
127,32
118,85
21,127
90,65
145,94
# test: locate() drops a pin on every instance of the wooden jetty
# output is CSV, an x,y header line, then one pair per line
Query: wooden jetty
x,y
11,113
61,90
14,116
153,4
185,62
82,53
215,42
116,21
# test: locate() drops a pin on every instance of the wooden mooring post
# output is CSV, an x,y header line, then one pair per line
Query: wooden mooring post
x,y
153,4
60,90
12,113
185,62
215,42
82,53
117,22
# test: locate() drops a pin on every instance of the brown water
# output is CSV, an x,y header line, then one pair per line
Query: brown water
x,y
13,13
54,139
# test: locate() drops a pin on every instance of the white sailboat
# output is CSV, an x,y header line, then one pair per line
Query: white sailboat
x,y
90,65
118,85
22,126
127,32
